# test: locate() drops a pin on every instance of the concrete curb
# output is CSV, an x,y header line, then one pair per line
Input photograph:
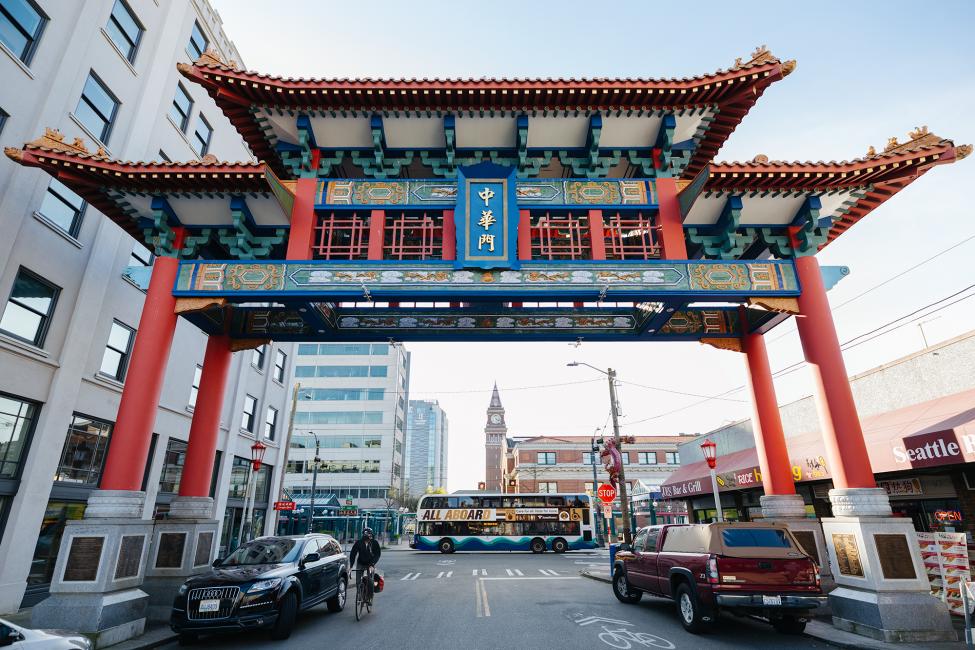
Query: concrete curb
x,y
592,576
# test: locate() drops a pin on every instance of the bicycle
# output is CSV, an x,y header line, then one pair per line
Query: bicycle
x,y
363,592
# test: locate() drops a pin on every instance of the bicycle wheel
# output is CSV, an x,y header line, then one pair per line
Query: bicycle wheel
x,y
360,599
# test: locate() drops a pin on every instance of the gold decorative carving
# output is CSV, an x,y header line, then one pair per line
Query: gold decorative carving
x,y
962,151
236,345
779,305
919,137
191,305
211,57
681,184
762,55
871,152
732,344
54,140
760,158
891,144
15,154
788,67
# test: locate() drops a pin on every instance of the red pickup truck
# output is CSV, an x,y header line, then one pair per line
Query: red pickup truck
x,y
744,568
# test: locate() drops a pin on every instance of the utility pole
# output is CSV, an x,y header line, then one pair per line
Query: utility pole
x,y
287,439
595,486
624,504
314,485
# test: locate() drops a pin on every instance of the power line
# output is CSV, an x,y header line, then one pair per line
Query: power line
x,y
507,390
885,282
679,392
846,345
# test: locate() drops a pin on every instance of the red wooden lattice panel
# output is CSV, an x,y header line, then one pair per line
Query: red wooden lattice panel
x,y
560,236
631,235
341,236
413,236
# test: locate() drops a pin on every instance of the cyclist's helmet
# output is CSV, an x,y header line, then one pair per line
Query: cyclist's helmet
x,y
367,532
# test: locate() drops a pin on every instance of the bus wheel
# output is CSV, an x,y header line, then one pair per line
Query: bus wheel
x,y
559,545
537,545
446,546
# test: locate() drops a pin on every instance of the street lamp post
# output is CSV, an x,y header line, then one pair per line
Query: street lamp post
x,y
710,455
624,503
595,485
257,458
314,483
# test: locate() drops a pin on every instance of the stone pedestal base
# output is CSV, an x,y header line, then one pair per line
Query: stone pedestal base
x,y
783,506
182,547
882,588
100,565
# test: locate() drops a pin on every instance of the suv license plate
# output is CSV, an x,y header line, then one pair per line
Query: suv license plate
x,y
768,600
214,605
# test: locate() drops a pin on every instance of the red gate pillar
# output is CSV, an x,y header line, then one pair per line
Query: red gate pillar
x,y
669,220
126,461
780,499
202,447
302,230
846,450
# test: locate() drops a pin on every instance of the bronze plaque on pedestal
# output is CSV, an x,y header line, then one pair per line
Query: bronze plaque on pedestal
x,y
129,556
83,559
170,554
895,557
847,554
204,542
807,539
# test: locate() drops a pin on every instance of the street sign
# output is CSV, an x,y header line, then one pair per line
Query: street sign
x,y
608,510
349,511
348,502
606,493
284,505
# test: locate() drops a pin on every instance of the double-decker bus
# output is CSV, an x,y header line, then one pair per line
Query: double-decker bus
x,y
504,522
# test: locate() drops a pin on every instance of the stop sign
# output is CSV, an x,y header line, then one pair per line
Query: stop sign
x,y
606,493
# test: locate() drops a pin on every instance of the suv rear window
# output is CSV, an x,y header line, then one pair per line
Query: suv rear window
x,y
755,537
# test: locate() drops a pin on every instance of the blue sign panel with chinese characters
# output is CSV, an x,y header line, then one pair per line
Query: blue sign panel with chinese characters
x,y
486,217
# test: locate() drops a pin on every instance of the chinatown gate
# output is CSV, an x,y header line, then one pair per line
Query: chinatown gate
x,y
485,210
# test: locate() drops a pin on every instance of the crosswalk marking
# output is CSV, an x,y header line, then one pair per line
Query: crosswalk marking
x,y
407,576
417,575
509,572
443,575
548,572
483,572
475,572
518,571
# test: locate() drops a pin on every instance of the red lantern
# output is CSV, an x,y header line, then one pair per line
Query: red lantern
x,y
257,455
710,452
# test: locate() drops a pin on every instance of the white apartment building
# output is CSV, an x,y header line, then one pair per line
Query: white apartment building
x,y
426,447
104,71
353,398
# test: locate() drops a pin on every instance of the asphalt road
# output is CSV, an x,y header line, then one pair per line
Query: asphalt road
x,y
506,600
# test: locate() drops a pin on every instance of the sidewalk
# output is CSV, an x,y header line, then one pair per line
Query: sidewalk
x,y
822,628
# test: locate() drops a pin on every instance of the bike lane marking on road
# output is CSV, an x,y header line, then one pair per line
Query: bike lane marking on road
x,y
407,576
416,576
623,638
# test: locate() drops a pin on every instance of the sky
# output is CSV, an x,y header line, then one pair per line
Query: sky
x,y
866,71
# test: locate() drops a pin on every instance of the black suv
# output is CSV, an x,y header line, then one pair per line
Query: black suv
x,y
263,584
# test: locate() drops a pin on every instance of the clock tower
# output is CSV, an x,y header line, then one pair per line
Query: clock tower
x,y
495,432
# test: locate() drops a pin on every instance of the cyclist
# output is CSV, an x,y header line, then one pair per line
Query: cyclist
x,y
365,554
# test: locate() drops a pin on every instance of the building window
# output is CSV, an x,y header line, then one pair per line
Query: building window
x,y
647,457
590,488
115,361
3,119
29,309
84,451
339,417
21,24
141,256
271,423
250,408
341,394
49,540
163,157
63,207
257,359
280,361
198,42
546,458
124,29
172,468
547,488
673,458
238,480
195,388
17,420
588,458
626,457
201,136
179,112
341,371
97,108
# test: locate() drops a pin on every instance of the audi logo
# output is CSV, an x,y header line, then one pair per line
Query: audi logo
x,y
212,593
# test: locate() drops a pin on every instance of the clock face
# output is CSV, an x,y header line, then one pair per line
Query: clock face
x,y
495,419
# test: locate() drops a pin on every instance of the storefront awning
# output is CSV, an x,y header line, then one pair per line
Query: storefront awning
x,y
929,434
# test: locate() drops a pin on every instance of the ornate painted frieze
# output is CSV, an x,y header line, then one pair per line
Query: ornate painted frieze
x,y
533,281
443,194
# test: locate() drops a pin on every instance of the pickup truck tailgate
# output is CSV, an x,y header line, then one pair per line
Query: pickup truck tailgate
x,y
783,574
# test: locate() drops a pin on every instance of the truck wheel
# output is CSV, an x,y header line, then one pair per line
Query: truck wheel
x,y
287,613
789,625
446,546
337,602
559,545
537,545
689,610
622,590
